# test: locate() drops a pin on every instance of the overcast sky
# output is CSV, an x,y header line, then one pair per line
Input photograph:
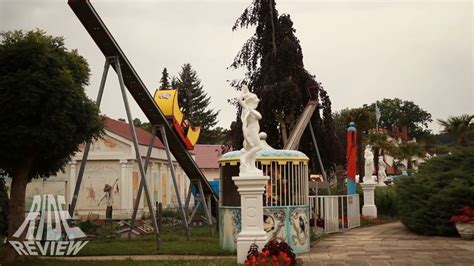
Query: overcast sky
x,y
361,51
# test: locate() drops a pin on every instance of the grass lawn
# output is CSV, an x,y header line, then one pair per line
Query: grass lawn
x,y
128,262
173,242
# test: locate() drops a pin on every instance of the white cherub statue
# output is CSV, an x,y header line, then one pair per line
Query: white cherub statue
x,y
369,164
250,129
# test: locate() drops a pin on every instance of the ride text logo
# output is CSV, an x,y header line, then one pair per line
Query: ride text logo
x,y
53,236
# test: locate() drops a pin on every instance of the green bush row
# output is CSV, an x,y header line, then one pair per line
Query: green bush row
x,y
441,187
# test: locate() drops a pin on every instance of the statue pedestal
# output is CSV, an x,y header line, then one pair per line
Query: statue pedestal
x,y
369,209
251,190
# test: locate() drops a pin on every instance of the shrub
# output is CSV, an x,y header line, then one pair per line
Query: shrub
x,y
107,230
385,200
88,227
442,186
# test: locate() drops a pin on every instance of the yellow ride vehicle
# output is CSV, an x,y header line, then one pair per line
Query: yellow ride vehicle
x,y
167,100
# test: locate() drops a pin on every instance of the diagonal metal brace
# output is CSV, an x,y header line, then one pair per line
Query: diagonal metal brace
x,y
137,150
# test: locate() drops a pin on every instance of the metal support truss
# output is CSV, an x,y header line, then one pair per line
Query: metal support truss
x,y
317,151
140,188
203,199
173,175
116,62
85,154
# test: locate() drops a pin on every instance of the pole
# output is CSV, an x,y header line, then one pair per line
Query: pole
x,y
173,175
85,154
137,151
140,187
317,151
351,158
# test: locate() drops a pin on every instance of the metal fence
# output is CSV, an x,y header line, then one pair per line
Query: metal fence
x,y
335,213
288,183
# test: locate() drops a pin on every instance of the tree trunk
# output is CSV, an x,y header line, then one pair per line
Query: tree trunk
x,y
16,215
409,164
462,140
273,27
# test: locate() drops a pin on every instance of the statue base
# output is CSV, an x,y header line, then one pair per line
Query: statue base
x,y
369,209
252,174
369,180
251,190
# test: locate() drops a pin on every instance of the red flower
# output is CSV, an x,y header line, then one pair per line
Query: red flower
x,y
466,216
275,251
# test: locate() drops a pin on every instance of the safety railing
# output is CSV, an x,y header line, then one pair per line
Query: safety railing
x,y
335,213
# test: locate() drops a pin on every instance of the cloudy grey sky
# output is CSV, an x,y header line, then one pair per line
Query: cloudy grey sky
x,y
360,50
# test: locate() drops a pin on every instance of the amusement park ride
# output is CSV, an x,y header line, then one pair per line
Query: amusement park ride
x,y
167,100
168,123
179,136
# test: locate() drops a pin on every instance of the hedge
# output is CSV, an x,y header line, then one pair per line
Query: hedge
x,y
441,187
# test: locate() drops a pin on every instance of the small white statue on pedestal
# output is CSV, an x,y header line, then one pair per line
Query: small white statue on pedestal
x,y
250,129
251,181
381,172
369,164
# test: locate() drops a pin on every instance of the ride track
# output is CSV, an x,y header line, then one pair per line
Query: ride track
x,y
109,47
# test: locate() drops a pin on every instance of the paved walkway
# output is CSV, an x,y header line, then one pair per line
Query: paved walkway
x,y
389,244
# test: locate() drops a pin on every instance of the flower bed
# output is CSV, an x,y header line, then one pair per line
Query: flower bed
x,y
275,252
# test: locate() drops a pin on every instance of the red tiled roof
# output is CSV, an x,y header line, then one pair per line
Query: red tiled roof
x,y
122,129
207,155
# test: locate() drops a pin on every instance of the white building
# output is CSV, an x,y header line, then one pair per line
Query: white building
x,y
113,158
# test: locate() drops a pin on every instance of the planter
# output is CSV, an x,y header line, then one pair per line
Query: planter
x,y
466,230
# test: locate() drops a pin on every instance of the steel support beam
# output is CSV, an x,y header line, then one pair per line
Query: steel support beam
x,y
85,154
203,199
173,175
317,151
137,150
140,188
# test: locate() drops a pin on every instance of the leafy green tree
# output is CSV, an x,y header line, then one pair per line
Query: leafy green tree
x,y
408,150
164,81
396,113
45,114
146,126
194,103
174,82
216,135
273,60
458,126
137,122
